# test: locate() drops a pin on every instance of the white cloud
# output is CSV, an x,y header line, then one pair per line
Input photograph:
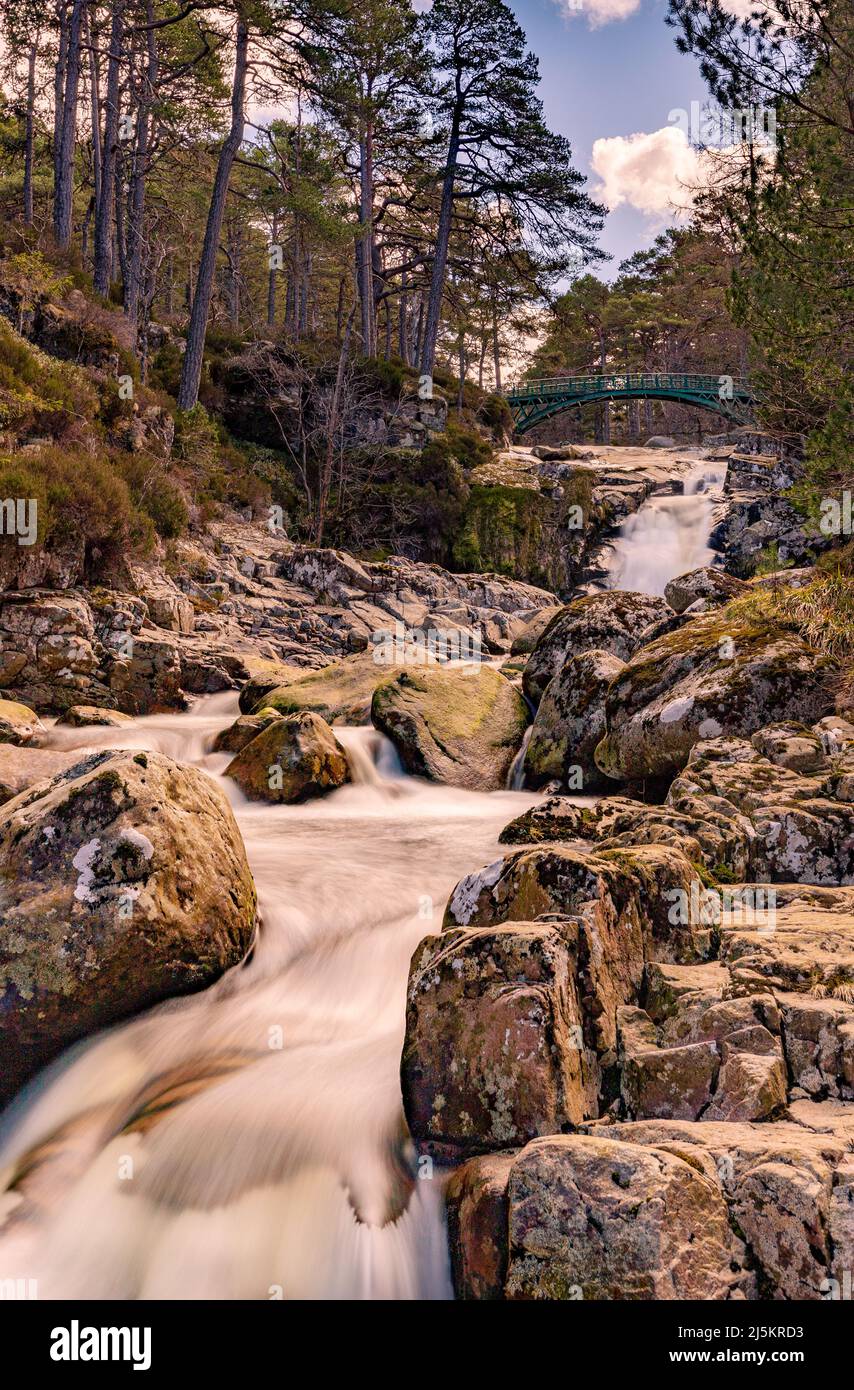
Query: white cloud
x,y
598,12
649,172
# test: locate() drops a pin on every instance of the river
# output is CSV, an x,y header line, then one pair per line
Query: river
x,y
281,1168
248,1141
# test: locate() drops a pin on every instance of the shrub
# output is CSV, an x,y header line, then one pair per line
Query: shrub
x,y
39,395
78,496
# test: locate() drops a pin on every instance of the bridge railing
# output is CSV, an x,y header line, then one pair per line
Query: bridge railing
x,y
625,381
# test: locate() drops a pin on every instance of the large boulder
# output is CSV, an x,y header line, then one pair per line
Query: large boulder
x,y
494,1050
787,1186
341,693
457,725
570,723
244,729
746,1210
18,723
125,881
614,622
548,990
709,585
590,1218
721,674
84,716
290,760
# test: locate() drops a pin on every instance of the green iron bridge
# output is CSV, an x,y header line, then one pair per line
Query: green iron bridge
x,y
534,401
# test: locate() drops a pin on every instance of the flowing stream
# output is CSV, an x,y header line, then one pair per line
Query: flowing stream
x,y
668,535
248,1141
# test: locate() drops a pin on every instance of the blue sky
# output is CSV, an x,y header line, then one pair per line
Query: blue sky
x,y
619,79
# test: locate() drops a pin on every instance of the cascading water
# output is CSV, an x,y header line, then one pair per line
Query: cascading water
x,y
248,1141
669,535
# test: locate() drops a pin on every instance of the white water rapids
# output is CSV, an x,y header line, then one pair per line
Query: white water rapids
x,y
668,535
277,1164
281,1170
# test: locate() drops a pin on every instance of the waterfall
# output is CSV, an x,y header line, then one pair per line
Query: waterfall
x,y
668,536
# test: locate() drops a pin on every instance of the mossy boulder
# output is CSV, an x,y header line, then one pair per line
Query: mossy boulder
x,y
265,676
570,722
244,730
18,723
614,621
125,882
720,675
292,759
457,725
341,693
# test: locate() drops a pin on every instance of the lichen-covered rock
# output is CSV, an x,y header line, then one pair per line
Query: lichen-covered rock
x,y
782,785
714,835
773,809
124,881
18,723
807,946
476,1200
787,1187
819,1035
49,652
494,1051
457,725
621,902
244,730
666,1083
291,760
570,722
613,622
82,716
590,1218
712,586
716,676
147,680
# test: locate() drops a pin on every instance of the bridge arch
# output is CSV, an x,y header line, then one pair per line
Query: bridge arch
x,y
532,402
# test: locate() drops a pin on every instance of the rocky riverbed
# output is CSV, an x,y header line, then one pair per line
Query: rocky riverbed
x,y
627,1062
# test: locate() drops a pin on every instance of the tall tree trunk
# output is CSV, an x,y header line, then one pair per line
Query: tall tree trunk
x,y
271,280
63,201
104,208
28,139
59,86
332,424
440,254
91,36
365,244
136,200
402,321
191,371
496,351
